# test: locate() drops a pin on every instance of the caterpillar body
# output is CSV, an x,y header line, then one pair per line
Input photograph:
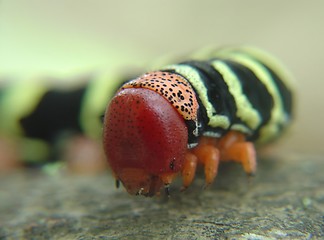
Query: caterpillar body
x,y
40,113
165,122
196,112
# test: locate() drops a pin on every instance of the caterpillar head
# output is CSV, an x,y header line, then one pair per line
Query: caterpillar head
x,y
145,134
145,140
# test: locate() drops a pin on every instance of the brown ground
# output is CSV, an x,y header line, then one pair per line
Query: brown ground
x,y
285,200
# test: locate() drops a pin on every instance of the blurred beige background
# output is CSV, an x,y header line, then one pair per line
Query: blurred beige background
x,y
73,37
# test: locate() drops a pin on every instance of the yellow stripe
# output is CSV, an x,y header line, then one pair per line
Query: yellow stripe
x,y
215,120
270,61
98,94
18,101
245,110
241,128
278,116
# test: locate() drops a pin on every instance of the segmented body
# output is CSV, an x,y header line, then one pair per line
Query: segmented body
x,y
235,97
241,90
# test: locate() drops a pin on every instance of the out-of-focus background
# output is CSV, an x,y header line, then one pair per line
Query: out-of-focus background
x,y
71,37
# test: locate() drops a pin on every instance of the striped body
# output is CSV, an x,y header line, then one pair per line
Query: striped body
x,y
239,89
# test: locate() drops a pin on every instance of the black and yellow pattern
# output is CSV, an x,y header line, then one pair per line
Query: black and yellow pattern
x,y
242,89
37,112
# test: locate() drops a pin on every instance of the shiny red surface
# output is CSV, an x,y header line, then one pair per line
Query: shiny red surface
x,y
143,135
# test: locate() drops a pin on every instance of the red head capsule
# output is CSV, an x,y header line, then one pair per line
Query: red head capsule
x,y
145,139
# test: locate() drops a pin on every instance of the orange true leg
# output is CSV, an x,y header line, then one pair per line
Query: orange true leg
x,y
209,156
235,148
210,151
189,170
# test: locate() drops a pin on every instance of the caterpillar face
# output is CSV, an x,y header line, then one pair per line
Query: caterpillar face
x,y
145,140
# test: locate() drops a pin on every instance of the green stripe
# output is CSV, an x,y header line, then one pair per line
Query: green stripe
x,y
98,94
19,100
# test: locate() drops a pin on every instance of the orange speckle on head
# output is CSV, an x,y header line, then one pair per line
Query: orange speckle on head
x,y
172,87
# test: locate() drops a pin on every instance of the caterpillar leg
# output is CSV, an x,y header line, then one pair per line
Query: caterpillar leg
x,y
210,151
207,155
189,170
235,148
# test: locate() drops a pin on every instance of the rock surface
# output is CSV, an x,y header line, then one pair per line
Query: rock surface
x,y
284,200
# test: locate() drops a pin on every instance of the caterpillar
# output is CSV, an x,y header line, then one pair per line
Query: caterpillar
x,y
195,112
168,121
40,114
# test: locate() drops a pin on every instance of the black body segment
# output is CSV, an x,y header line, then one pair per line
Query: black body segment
x,y
57,111
285,92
